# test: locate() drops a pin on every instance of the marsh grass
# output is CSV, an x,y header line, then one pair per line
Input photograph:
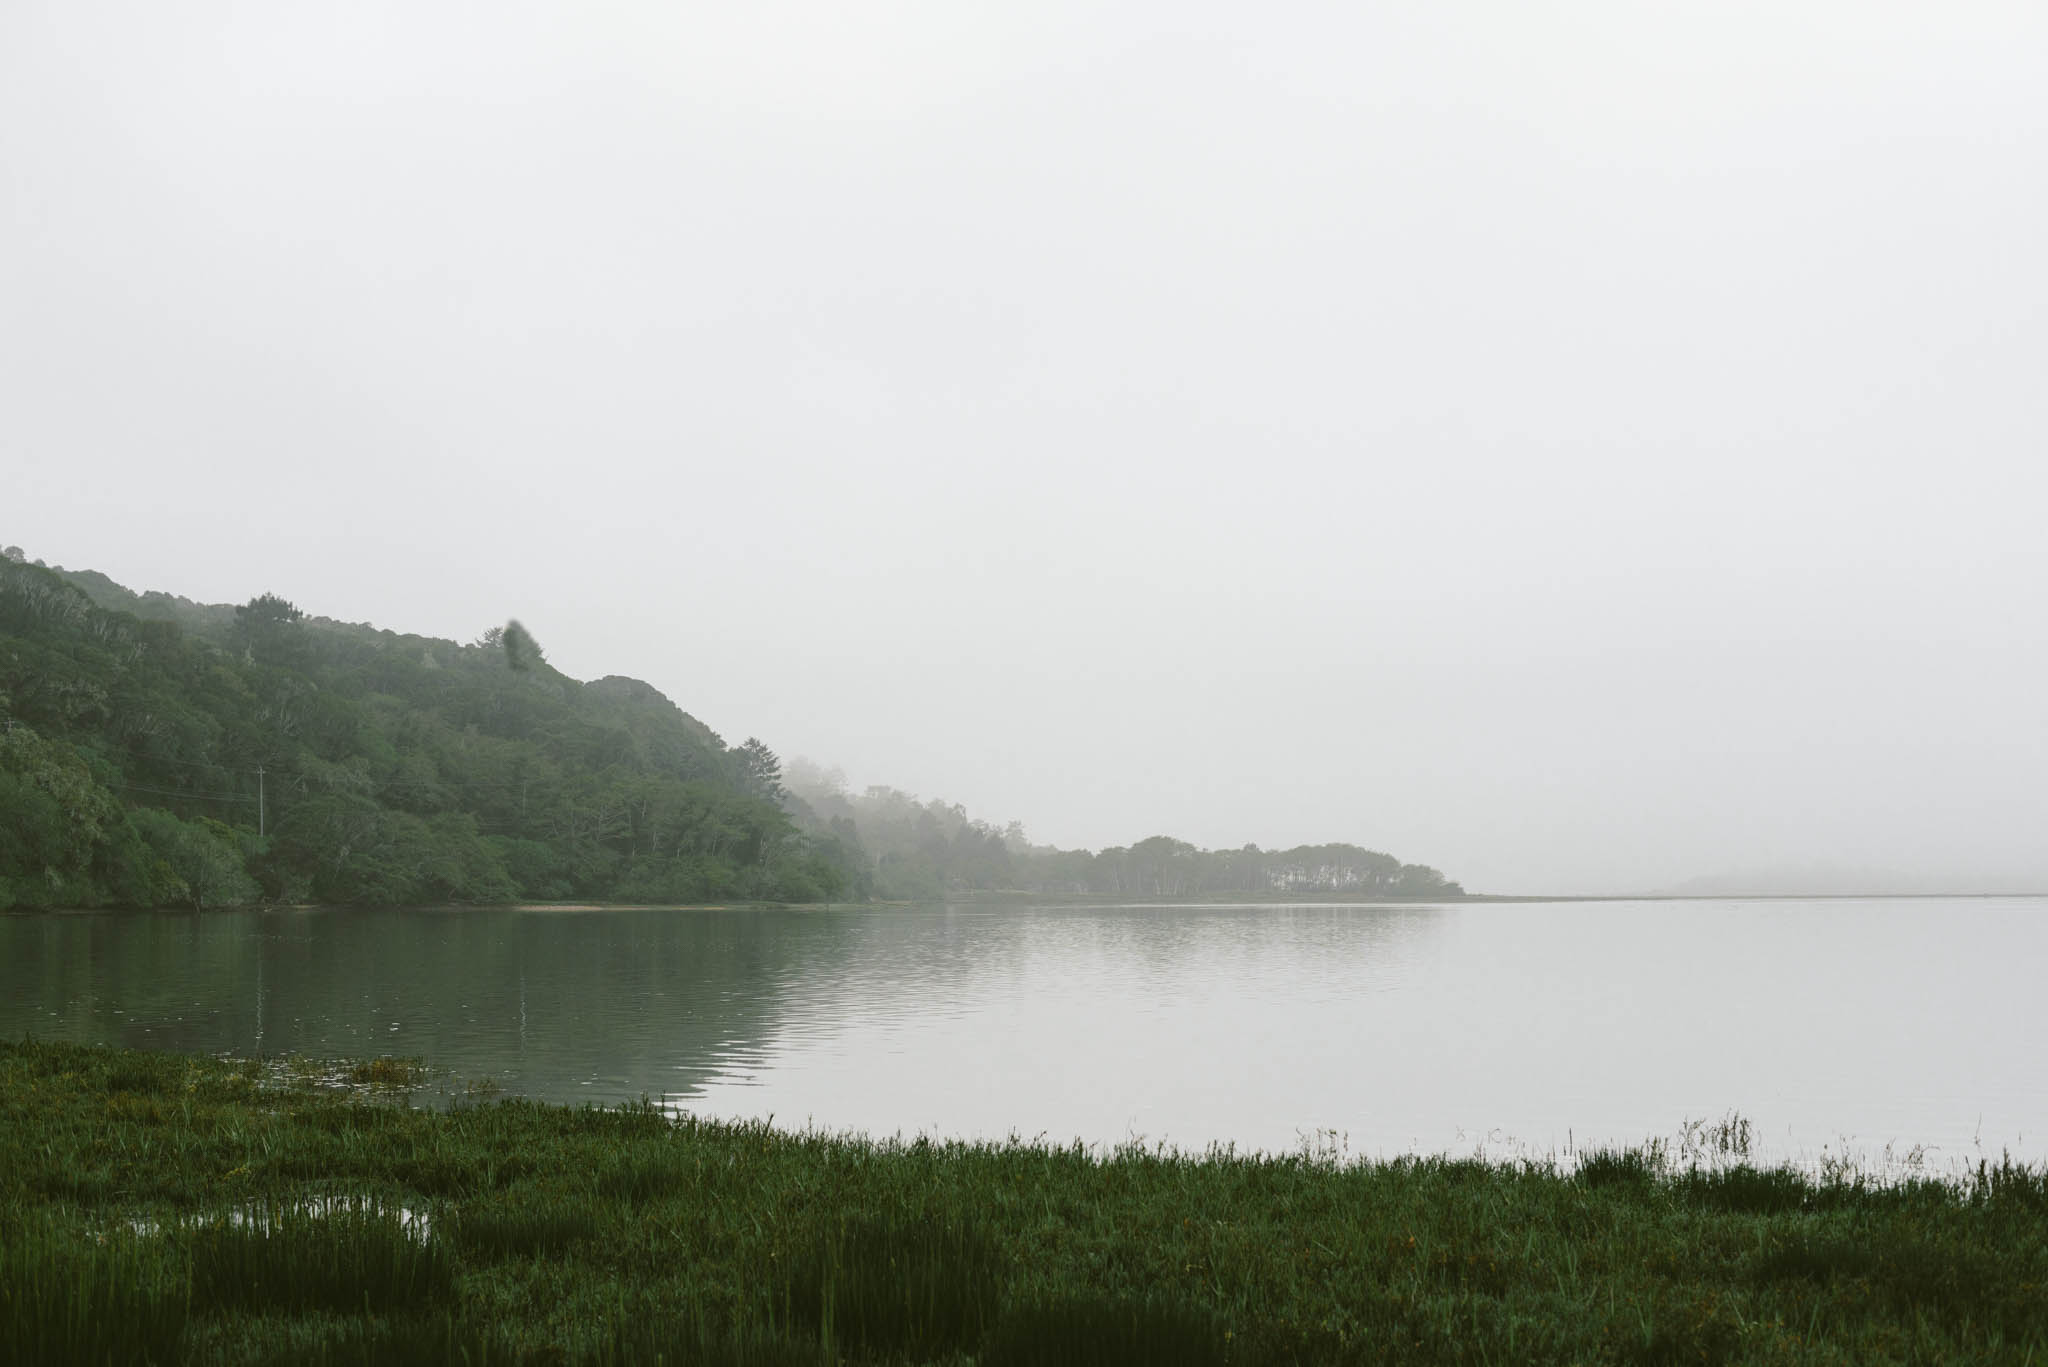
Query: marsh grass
x,y
487,1231
68,1297
1616,1168
427,1339
1092,1331
656,1342
401,1073
2009,1185
1747,1189
919,1288
1914,1276
639,1174
156,1208
343,1257
146,1075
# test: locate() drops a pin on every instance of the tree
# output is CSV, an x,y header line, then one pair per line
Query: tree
x,y
522,652
267,628
54,822
266,613
203,860
760,770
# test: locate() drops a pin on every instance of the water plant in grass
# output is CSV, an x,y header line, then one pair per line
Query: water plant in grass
x,y
916,1287
397,1074
68,1296
350,1256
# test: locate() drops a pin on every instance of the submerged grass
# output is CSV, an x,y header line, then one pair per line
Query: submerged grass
x,y
162,1209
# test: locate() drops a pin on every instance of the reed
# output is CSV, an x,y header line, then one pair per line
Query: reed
x,y
487,1231
68,1296
346,1257
161,1209
921,1289
1091,1331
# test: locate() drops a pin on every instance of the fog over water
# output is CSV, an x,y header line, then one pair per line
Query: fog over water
x,y
1582,447
1837,1024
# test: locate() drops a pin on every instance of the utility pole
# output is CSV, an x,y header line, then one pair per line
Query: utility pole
x,y
259,802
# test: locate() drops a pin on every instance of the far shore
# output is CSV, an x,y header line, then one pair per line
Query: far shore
x,y
1022,899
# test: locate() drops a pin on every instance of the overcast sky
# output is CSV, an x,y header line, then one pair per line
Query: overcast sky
x,y
1578,445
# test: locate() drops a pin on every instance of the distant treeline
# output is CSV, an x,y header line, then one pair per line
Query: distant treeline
x,y
158,752
924,850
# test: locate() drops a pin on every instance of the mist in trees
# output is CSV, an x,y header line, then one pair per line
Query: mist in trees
x,y
159,752
932,849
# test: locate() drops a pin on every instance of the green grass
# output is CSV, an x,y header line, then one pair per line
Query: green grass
x,y
489,1231
294,1256
156,1208
919,1289
68,1294
1093,1331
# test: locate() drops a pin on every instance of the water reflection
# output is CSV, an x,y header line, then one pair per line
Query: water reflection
x,y
1402,1027
559,1005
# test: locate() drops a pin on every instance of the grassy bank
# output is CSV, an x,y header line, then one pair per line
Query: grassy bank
x,y
170,1209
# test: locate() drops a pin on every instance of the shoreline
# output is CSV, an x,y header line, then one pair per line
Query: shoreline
x,y
171,1207
1026,901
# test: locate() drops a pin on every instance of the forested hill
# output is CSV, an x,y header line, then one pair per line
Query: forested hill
x,y
155,751
924,850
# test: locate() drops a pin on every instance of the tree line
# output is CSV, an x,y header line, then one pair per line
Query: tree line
x,y
159,752
928,850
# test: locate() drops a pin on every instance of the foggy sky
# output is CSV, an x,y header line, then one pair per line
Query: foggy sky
x,y
1579,446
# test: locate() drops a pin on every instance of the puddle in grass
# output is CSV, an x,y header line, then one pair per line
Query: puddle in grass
x,y
414,1221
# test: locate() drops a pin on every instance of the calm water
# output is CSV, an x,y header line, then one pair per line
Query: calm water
x,y
1401,1028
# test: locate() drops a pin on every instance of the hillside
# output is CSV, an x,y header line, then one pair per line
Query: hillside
x,y
925,850
155,751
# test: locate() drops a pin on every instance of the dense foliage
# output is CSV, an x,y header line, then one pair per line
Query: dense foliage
x,y
934,849
161,1209
155,751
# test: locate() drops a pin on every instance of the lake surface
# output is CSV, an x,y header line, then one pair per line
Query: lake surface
x,y
1830,1024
